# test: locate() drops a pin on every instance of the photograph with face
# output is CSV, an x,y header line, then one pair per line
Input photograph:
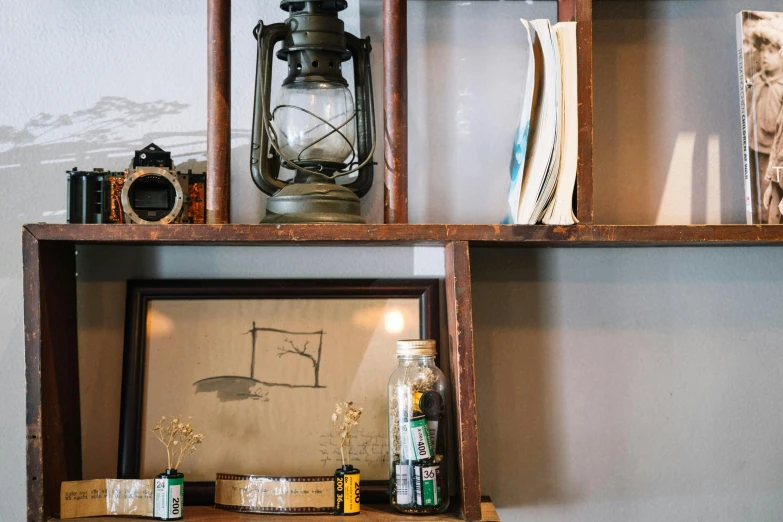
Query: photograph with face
x,y
762,61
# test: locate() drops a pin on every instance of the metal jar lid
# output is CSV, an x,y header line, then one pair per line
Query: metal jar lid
x,y
416,347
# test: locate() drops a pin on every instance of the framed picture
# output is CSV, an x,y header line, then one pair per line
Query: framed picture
x,y
259,365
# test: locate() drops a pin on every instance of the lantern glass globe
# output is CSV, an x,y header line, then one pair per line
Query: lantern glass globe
x,y
305,117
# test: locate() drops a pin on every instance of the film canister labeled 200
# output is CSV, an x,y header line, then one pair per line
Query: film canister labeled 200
x,y
347,491
168,495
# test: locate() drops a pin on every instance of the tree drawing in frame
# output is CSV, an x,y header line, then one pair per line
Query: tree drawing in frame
x,y
287,359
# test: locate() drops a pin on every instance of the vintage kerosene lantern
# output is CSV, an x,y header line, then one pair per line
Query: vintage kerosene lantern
x,y
313,127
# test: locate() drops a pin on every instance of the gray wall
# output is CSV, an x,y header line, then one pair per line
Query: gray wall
x,y
613,384
630,384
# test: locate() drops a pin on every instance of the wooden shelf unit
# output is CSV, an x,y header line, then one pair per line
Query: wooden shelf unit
x,y
53,416
53,422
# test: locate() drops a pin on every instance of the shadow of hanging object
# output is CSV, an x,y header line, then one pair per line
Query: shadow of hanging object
x,y
100,136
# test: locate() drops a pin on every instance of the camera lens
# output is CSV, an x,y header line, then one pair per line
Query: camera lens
x,y
152,197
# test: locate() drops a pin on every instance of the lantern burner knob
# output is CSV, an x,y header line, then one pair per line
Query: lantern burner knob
x,y
293,6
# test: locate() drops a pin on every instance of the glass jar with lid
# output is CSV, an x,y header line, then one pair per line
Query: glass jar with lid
x,y
419,445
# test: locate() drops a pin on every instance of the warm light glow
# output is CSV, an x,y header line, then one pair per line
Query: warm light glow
x,y
677,199
393,321
158,323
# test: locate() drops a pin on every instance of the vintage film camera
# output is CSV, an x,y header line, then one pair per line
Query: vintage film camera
x,y
148,192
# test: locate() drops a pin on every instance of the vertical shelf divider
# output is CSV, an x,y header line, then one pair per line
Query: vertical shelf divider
x,y
581,11
53,419
395,111
218,111
459,306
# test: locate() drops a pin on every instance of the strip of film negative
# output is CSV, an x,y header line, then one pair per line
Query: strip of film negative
x,y
266,494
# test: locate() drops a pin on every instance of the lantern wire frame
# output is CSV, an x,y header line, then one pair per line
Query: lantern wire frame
x,y
316,142
267,122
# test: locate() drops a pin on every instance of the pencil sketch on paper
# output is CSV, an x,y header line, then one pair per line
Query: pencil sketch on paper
x,y
283,358
370,450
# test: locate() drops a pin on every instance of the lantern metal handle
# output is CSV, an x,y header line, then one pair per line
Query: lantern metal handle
x,y
265,163
360,51
262,164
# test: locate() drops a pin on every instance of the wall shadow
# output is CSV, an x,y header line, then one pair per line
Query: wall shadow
x,y
513,379
624,177
97,137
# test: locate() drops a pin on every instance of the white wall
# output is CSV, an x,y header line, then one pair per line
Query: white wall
x,y
613,384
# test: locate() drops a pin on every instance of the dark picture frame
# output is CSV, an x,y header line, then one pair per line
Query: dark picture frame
x,y
140,293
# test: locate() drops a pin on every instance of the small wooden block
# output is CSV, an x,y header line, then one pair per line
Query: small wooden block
x,y
488,512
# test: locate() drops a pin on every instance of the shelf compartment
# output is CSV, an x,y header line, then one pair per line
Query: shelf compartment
x,y
51,344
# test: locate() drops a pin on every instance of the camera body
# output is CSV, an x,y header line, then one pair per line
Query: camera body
x,y
148,192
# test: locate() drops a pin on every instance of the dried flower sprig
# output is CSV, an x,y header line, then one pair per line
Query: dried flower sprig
x,y
178,438
424,381
350,419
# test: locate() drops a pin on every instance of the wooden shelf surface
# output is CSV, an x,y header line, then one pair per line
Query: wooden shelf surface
x,y
376,234
370,513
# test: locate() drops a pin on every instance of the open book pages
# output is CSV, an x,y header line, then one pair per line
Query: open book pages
x,y
561,208
543,135
550,179
523,128
550,155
